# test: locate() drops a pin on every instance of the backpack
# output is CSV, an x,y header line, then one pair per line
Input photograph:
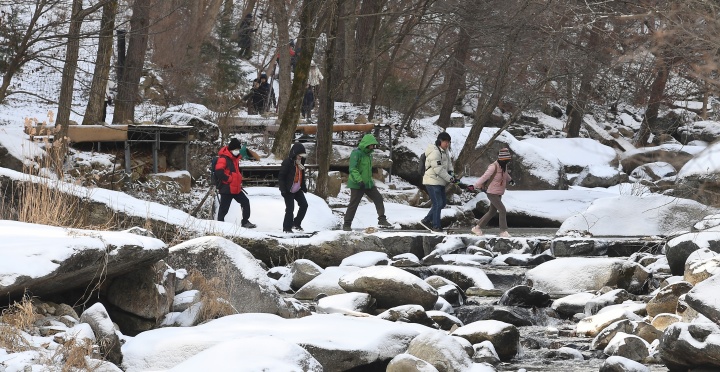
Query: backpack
x,y
421,166
213,163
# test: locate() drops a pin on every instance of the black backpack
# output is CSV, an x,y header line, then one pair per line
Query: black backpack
x,y
213,163
421,166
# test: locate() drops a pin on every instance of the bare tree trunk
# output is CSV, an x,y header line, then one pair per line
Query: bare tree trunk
x,y
657,91
282,22
101,74
579,105
327,105
249,7
127,96
350,64
289,118
455,77
364,33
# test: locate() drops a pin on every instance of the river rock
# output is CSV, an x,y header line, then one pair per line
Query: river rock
x,y
572,304
444,320
409,363
565,353
564,276
628,346
184,300
600,175
592,325
504,337
525,296
638,328
239,275
390,286
485,353
698,270
440,350
685,346
676,155
408,314
705,298
346,303
406,260
104,329
613,297
326,283
148,292
302,271
622,364
678,249
664,320
464,277
366,259
665,300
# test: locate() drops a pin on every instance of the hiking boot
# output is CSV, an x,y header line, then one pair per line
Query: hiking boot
x,y
437,229
248,225
347,228
504,234
297,228
383,223
477,231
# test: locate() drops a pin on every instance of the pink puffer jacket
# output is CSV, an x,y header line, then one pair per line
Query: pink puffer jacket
x,y
499,182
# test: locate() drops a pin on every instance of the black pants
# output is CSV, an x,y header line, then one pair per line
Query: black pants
x,y
355,198
226,199
290,199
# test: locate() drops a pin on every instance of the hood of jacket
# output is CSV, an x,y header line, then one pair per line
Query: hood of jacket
x,y
296,149
366,141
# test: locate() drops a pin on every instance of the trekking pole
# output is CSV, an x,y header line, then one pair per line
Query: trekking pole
x,y
199,206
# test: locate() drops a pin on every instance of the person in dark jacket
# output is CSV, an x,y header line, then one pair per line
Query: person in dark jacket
x,y
227,171
293,187
308,104
267,93
360,182
245,31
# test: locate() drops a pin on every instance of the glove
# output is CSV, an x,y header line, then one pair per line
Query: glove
x,y
512,183
471,188
453,180
362,185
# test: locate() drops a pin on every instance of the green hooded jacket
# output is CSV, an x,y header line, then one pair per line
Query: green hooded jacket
x,y
361,164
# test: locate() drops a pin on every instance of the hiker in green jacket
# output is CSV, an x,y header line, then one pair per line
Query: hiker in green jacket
x,y
360,182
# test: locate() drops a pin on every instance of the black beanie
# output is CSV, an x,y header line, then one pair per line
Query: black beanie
x,y
443,136
234,144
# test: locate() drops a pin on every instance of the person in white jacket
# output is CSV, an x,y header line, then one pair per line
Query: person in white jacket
x,y
438,174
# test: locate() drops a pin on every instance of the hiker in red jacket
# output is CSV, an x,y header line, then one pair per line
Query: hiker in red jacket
x,y
227,172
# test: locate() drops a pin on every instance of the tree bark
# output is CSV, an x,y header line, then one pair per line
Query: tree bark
x,y
455,77
579,105
657,91
364,33
289,118
327,105
70,67
282,23
101,74
127,96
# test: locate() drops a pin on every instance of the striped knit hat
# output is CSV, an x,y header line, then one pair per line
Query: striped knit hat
x,y
504,154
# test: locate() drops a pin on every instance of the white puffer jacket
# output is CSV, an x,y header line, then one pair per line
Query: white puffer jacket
x,y
438,166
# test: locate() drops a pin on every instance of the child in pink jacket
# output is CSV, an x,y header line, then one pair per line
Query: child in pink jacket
x,y
499,178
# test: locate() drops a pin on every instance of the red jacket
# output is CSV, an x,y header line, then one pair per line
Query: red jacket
x,y
228,172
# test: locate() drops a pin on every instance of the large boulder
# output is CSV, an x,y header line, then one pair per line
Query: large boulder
x,y
701,268
443,352
464,276
594,324
705,298
685,346
600,176
326,283
107,339
675,154
242,279
572,304
705,130
504,337
390,286
62,259
523,295
346,303
565,276
699,177
303,271
666,300
409,363
628,346
679,248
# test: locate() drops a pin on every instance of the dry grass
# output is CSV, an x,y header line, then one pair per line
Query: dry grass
x,y
72,356
17,319
213,295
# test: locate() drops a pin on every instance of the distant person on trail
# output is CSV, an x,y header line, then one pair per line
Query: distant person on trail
x,y
254,99
360,182
308,104
314,76
267,93
438,174
494,183
227,172
245,31
293,187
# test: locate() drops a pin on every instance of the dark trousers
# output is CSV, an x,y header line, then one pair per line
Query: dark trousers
x,y
439,200
496,207
355,198
290,199
226,199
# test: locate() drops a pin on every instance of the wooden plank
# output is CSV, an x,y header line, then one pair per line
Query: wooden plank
x,y
312,128
97,133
